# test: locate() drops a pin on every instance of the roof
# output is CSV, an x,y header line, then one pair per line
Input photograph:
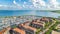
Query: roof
x,y
19,30
37,23
1,32
4,30
26,23
45,19
38,20
28,27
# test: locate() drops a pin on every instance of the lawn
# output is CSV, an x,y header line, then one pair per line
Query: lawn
x,y
52,28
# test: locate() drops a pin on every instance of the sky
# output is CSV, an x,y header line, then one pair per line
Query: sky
x,y
29,4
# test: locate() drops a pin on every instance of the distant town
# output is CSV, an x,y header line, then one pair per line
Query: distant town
x,y
29,24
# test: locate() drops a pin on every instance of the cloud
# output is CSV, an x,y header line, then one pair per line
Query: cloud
x,y
53,4
38,3
3,5
16,4
8,7
0,5
41,4
34,4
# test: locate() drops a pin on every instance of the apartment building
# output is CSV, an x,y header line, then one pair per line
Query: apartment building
x,y
18,31
37,23
44,19
28,29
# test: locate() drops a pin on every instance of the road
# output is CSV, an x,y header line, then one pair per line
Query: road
x,y
7,31
49,27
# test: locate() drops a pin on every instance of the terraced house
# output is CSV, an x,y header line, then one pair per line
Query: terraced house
x,y
37,24
44,19
28,29
18,31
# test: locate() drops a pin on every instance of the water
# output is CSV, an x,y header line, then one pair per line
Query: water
x,y
27,12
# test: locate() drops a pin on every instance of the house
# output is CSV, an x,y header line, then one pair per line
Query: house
x,y
27,23
27,29
36,25
44,19
41,22
18,31
4,31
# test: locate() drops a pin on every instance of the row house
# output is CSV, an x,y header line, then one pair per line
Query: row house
x,y
28,29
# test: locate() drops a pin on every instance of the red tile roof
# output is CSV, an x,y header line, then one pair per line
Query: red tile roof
x,y
28,27
19,30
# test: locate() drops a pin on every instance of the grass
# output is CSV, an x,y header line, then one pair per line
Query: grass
x,y
48,32
38,31
14,26
52,28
